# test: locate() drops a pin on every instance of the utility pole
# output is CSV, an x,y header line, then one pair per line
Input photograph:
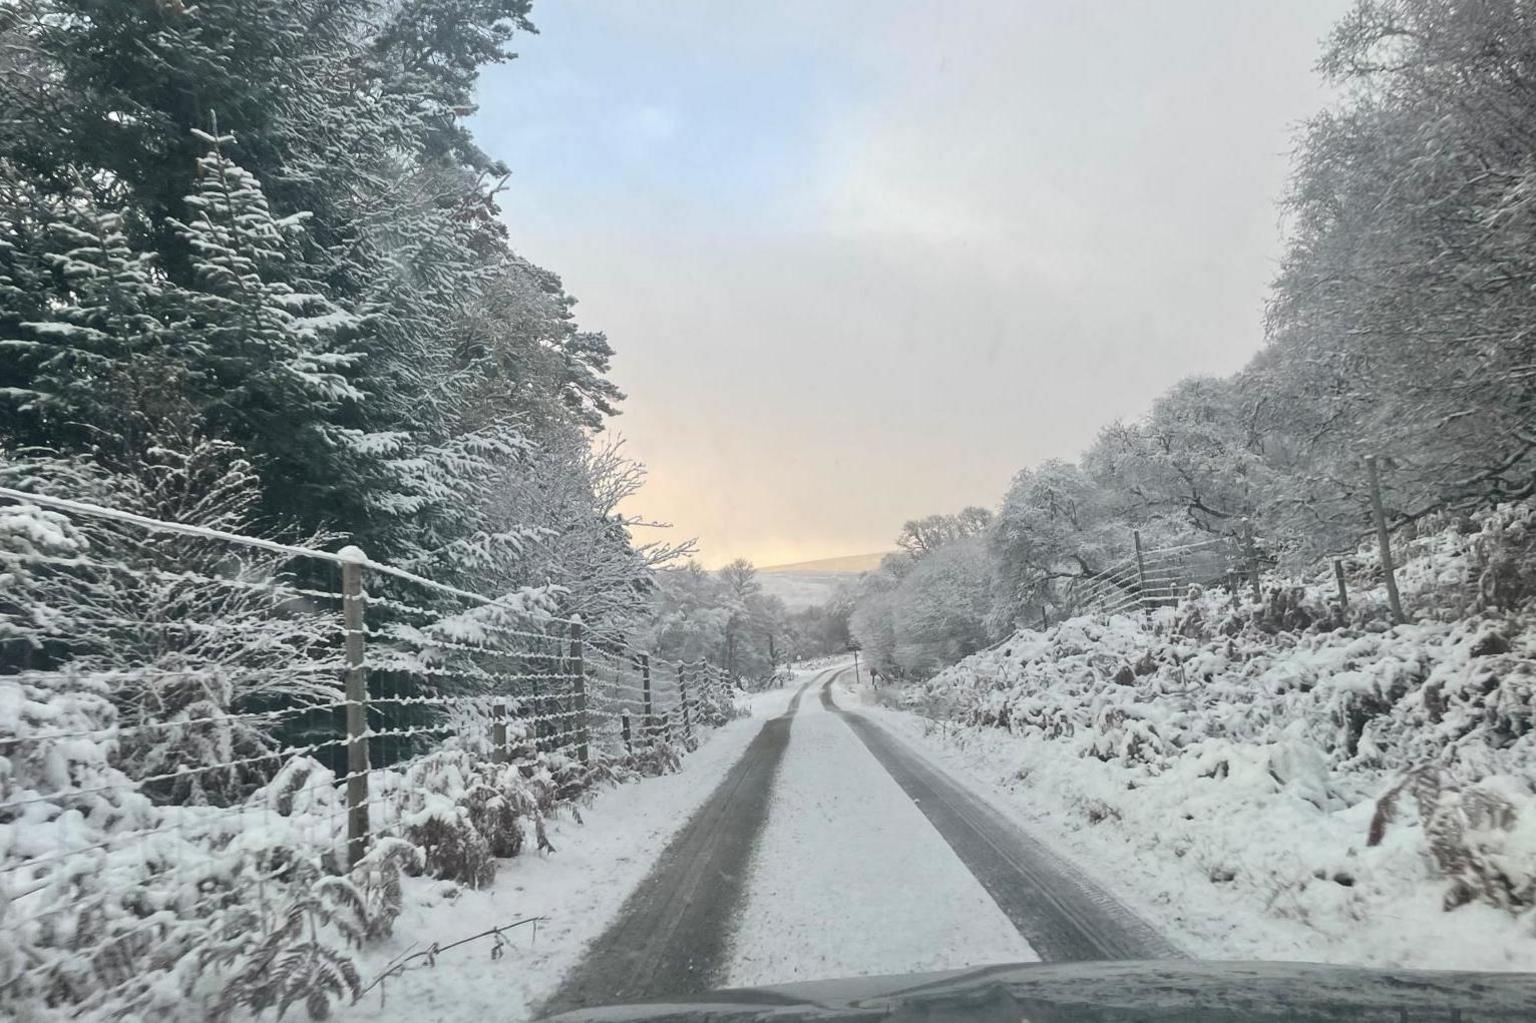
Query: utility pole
x,y
855,665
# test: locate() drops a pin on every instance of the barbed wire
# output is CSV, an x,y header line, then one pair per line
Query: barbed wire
x,y
501,681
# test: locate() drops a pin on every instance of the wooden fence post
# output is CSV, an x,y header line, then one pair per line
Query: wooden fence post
x,y
648,718
682,692
1141,571
1384,540
548,727
624,730
1251,555
499,732
579,691
357,704
1338,575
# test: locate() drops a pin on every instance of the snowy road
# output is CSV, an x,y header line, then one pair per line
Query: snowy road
x,y
833,849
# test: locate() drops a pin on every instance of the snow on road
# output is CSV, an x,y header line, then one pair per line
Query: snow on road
x,y
850,879
579,889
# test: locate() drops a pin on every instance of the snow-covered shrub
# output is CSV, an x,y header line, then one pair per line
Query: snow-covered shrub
x,y
59,791
261,957
1296,698
463,812
1482,836
716,703
1504,557
188,635
656,757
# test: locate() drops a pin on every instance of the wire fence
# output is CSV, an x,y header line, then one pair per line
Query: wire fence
x,y
161,712
1157,577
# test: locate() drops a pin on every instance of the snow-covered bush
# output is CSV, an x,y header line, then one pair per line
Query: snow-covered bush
x,y
462,811
715,703
1296,698
187,635
170,847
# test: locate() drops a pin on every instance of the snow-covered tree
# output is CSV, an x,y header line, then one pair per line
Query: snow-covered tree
x,y
1399,324
920,537
941,609
186,636
95,361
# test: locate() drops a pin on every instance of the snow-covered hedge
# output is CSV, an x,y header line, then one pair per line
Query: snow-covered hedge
x,y
193,912
169,843
1295,740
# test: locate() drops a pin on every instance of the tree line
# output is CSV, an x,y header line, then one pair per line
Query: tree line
x,y
727,617
253,276
1398,325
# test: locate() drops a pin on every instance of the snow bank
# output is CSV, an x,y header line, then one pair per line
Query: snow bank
x,y
116,906
603,855
1293,759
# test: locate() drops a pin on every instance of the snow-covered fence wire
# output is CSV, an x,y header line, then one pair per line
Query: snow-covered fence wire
x,y
184,772
1157,577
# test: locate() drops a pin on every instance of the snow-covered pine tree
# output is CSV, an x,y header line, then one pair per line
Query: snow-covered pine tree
x,y
97,368
271,361
186,636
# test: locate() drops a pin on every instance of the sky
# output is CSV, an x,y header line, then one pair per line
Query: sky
x,y
862,262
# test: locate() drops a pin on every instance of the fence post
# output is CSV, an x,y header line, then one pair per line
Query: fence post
x,y
1141,571
1252,557
1384,541
647,719
541,721
579,690
357,703
624,729
682,694
1045,623
1338,575
499,732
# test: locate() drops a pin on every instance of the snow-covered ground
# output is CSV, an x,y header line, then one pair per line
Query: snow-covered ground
x,y
1227,867
1290,778
850,879
578,889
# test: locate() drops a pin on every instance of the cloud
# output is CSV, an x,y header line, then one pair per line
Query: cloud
x,y
862,262
648,124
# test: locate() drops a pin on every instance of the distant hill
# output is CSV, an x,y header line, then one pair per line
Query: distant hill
x,y
846,563
808,583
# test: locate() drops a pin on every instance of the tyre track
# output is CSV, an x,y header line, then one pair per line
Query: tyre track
x,y
670,935
1063,915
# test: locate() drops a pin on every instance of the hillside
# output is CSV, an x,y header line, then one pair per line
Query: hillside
x,y
1292,765
812,583
830,566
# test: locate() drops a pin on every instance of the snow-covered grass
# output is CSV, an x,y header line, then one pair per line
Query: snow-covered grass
x,y
1283,780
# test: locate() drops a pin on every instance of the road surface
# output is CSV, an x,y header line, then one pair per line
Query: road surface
x,y
832,849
